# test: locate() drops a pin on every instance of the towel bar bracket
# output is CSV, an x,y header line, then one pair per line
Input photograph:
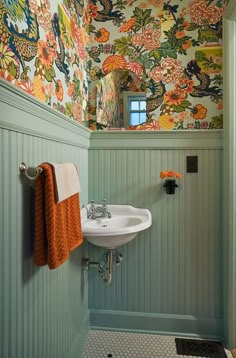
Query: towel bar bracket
x,y
23,169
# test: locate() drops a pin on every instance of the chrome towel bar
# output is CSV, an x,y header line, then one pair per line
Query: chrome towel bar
x,y
24,171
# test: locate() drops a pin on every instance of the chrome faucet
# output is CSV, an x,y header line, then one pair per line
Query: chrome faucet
x,y
91,211
95,212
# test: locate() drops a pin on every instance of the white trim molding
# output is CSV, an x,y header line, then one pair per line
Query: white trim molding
x,y
229,186
184,139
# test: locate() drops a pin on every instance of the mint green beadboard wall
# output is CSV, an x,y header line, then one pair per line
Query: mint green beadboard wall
x,y
171,277
43,313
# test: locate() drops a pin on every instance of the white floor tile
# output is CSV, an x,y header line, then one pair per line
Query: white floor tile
x,y
105,344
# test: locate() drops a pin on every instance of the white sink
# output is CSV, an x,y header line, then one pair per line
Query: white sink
x,y
124,224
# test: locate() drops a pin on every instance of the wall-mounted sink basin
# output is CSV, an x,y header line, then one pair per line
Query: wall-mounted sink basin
x,y
124,224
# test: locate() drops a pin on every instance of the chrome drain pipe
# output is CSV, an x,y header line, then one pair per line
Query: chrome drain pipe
x,y
109,274
105,273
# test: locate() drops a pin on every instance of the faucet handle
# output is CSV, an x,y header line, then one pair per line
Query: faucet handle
x,y
92,206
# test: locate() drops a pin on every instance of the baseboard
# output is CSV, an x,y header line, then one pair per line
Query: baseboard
x,y
156,323
80,340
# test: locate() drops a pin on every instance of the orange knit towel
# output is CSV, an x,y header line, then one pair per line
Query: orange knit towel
x,y
57,226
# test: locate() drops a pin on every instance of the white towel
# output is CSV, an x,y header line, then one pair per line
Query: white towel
x,y
66,181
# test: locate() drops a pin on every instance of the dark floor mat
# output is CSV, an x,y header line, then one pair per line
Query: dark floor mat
x,y
200,348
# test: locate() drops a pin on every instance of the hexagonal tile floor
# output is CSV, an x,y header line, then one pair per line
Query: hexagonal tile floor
x,y
110,344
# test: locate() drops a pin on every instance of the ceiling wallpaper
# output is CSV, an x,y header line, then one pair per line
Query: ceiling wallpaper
x,y
57,51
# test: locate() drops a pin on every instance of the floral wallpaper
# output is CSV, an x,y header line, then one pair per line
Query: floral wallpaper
x,y
173,46
42,51
58,50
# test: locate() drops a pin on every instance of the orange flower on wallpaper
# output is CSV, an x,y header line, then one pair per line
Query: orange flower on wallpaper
x,y
180,34
174,97
220,105
149,126
199,112
186,25
135,67
71,89
6,75
166,122
102,35
45,54
59,90
74,29
39,88
89,13
127,25
26,86
152,126
113,62
187,44
92,10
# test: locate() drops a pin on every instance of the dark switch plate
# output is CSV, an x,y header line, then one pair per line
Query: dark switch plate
x,y
192,164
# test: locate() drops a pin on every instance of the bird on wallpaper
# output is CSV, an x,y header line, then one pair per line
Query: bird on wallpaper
x,y
23,44
156,99
107,13
203,89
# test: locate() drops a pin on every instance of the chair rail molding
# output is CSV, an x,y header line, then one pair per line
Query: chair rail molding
x,y
182,139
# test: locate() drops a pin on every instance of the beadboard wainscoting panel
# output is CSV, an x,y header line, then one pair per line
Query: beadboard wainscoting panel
x,y
171,275
43,313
